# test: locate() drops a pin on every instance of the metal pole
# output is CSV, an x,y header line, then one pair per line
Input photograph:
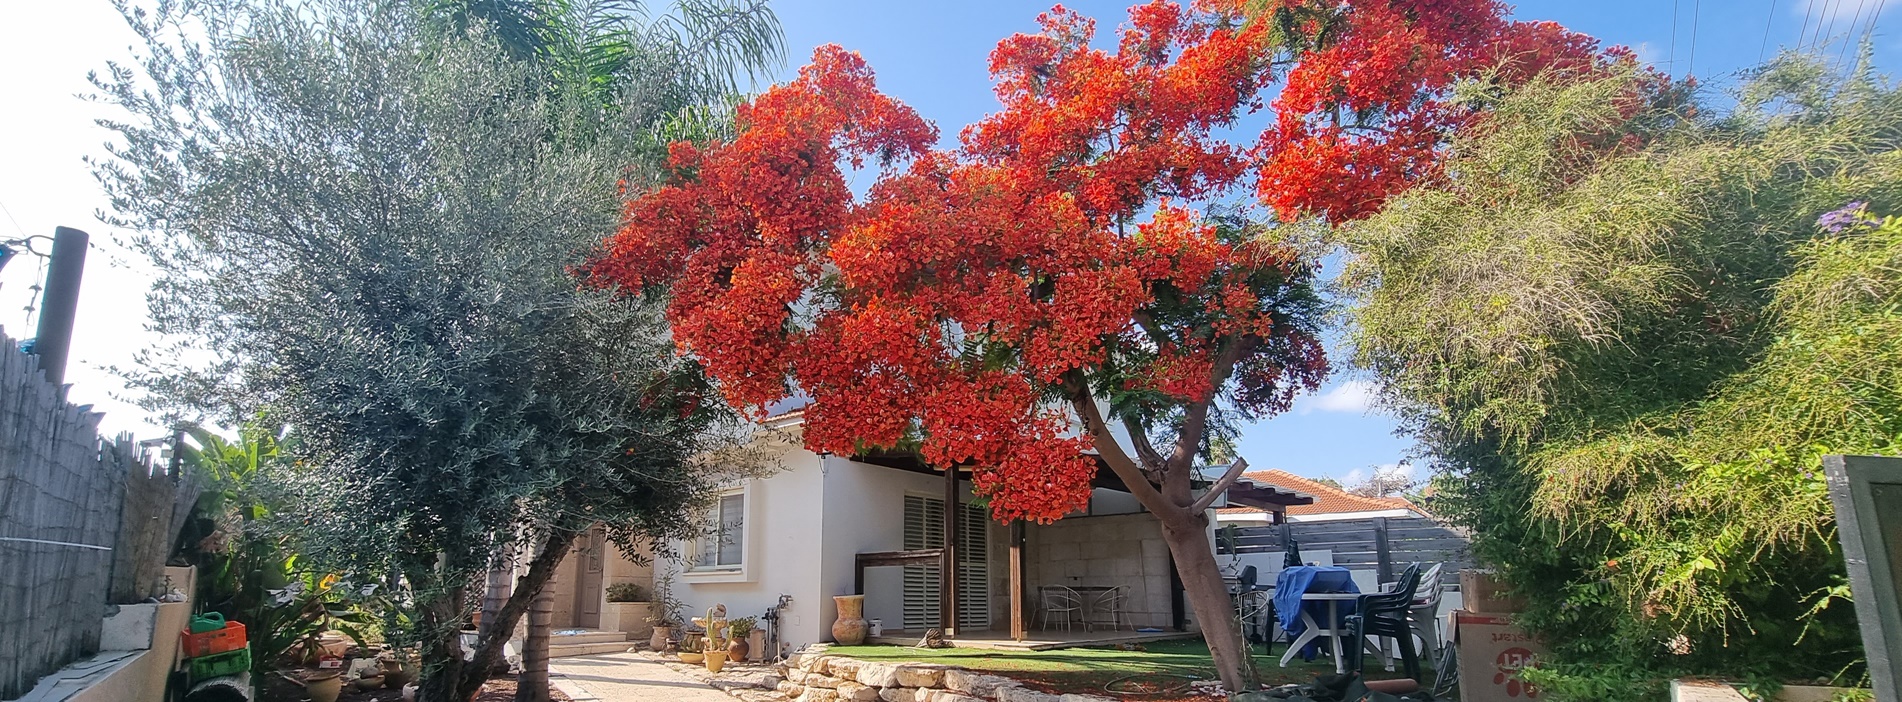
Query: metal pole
x,y
54,340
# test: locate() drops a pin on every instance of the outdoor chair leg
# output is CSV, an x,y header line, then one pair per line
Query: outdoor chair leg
x,y
1357,632
1409,659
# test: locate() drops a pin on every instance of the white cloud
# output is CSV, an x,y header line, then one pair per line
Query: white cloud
x,y
1404,470
1353,396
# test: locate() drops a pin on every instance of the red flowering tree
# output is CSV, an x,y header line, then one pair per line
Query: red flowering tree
x,y
1019,303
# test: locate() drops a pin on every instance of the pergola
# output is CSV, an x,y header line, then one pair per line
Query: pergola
x,y
1245,492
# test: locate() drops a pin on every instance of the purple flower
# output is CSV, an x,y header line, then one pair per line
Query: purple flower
x,y
1850,216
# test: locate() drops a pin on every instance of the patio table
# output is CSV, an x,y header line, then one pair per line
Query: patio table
x,y
1314,629
1302,593
1086,594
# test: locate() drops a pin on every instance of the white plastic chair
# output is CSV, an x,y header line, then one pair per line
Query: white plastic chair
x,y
1057,599
1111,603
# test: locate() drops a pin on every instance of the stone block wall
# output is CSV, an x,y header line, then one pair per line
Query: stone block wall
x,y
813,676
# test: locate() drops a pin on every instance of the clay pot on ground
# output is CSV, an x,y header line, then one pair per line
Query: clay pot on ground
x,y
736,650
715,661
373,682
324,687
658,641
756,644
849,628
692,657
398,672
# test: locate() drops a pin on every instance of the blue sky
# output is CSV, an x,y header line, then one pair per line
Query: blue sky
x,y
932,55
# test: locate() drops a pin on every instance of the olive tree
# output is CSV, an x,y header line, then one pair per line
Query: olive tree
x,y
365,222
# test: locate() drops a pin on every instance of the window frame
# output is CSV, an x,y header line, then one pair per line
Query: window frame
x,y
740,572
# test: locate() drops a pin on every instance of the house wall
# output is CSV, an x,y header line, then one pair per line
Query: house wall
x,y
782,554
865,512
1123,549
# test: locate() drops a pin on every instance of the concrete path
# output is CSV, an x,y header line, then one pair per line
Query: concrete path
x,y
627,677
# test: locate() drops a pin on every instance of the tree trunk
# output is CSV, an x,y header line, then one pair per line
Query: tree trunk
x,y
441,646
496,592
488,650
1208,597
532,684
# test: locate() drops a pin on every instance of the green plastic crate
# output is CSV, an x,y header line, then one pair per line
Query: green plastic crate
x,y
221,664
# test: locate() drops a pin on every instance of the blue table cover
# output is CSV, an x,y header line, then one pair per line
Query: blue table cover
x,y
1300,580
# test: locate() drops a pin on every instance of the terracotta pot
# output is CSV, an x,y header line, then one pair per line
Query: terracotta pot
x,y
324,689
849,628
736,650
715,661
374,682
658,641
397,673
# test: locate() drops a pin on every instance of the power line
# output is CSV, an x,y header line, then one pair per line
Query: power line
x,y
1672,57
1850,38
1766,31
1820,43
1809,8
16,223
1692,66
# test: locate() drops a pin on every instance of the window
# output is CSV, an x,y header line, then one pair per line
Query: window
x,y
724,548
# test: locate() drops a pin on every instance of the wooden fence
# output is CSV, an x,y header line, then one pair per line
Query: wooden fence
x,y
1382,544
63,512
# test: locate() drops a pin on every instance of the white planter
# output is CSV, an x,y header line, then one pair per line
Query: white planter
x,y
630,617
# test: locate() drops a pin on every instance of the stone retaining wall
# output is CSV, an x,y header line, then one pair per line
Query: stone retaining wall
x,y
814,676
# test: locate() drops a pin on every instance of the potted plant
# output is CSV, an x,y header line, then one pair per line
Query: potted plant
x,y
627,610
739,630
692,648
626,592
663,613
715,649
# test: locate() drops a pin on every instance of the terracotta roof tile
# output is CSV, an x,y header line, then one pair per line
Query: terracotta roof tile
x,y
1327,498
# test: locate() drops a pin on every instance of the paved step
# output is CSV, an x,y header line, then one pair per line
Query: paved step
x,y
586,636
565,650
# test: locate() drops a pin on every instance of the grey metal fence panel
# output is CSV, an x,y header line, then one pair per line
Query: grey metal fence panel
x,y
1360,543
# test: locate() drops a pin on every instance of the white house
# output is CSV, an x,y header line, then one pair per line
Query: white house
x,y
823,526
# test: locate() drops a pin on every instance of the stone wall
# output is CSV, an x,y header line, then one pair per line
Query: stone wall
x,y
813,676
1122,549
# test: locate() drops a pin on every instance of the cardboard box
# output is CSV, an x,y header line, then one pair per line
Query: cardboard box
x,y
1481,594
1492,650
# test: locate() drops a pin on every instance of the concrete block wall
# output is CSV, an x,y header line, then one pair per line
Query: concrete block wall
x,y
1122,549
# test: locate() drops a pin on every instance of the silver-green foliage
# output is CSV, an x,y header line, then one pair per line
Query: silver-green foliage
x,y
365,226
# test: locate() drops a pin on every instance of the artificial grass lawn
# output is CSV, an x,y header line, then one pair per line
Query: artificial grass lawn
x,y
1088,670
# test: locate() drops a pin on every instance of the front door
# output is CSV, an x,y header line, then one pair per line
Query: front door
x,y
588,580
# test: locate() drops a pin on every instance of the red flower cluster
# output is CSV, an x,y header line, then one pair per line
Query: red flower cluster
x,y
972,294
1367,105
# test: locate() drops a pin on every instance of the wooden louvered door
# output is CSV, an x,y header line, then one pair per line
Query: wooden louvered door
x,y
924,528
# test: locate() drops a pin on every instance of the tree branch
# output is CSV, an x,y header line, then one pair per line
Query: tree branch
x,y
1151,458
1221,485
1195,420
1119,462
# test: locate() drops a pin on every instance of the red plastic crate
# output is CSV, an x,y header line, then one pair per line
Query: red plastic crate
x,y
226,640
